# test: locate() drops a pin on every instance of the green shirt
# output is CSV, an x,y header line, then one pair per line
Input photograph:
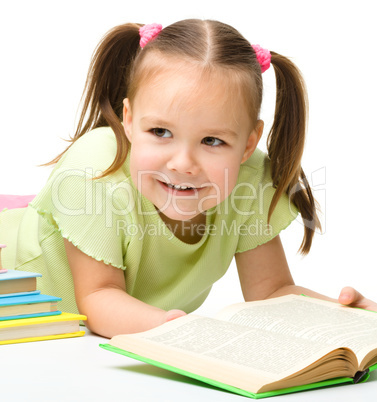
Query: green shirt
x,y
109,220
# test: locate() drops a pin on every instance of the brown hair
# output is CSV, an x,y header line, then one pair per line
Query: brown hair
x,y
118,69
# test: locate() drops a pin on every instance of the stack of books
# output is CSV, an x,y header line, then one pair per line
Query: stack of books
x,y
26,315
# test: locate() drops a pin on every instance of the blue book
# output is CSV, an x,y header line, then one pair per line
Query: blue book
x,y
35,292
14,281
38,305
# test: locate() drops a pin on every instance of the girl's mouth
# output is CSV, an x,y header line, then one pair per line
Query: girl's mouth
x,y
180,189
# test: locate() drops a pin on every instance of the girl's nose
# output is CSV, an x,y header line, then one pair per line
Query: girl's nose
x,y
183,161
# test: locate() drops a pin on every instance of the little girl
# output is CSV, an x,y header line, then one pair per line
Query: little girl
x,y
143,213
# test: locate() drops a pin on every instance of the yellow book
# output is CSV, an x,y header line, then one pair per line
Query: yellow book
x,y
65,325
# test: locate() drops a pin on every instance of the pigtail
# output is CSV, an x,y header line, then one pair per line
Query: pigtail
x,y
106,87
285,145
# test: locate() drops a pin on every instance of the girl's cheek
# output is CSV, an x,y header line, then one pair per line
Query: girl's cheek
x,y
144,158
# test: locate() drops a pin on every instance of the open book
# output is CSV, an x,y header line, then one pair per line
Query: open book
x,y
263,348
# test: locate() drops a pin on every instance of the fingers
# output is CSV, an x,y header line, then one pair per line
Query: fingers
x,y
173,314
349,295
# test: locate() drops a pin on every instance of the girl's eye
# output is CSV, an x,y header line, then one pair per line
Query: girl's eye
x,y
161,132
212,141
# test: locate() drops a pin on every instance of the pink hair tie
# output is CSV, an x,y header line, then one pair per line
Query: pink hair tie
x,y
148,32
263,56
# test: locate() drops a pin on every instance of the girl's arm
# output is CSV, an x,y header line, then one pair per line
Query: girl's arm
x,y
100,292
264,273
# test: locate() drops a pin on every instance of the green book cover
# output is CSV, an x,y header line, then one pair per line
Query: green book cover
x,y
265,348
327,383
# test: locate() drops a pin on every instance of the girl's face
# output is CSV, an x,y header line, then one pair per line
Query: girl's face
x,y
188,140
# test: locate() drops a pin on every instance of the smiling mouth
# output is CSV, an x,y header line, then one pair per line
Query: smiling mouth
x,y
180,187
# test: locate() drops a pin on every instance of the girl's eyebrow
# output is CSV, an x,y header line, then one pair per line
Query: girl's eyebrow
x,y
156,121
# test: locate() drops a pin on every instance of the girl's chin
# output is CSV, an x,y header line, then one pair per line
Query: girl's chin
x,y
175,216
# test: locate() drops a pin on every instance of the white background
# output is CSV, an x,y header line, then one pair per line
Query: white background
x,y
45,52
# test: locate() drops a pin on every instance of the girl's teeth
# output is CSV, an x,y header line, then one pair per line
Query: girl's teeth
x,y
178,187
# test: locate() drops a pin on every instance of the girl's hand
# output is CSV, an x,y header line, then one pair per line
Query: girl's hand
x,y
173,314
351,297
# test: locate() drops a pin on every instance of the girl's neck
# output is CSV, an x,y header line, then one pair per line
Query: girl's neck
x,y
190,231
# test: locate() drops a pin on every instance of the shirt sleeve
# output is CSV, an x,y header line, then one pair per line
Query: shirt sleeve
x,y
88,212
255,229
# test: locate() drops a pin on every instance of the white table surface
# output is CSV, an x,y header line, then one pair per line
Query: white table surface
x,y
77,369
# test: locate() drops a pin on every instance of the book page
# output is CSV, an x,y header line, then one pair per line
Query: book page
x,y
311,319
211,347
